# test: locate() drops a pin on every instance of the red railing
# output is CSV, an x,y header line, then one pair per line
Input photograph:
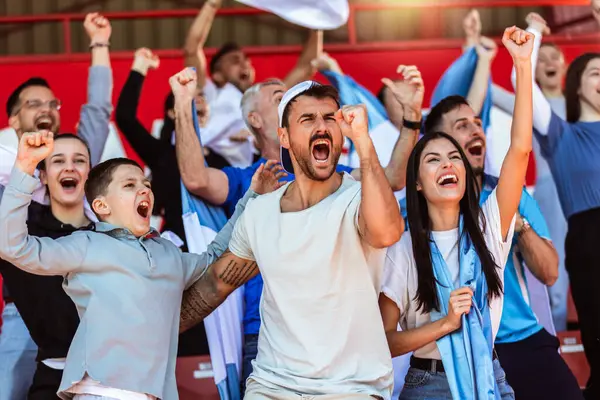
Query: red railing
x,y
351,45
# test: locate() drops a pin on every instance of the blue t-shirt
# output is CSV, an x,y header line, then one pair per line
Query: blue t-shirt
x,y
518,321
572,151
239,183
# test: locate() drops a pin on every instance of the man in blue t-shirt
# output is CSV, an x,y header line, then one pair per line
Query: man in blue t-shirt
x,y
527,352
225,187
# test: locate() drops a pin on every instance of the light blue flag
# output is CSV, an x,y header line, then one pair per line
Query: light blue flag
x,y
457,80
224,325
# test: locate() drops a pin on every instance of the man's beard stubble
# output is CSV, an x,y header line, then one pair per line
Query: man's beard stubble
x,y
306,166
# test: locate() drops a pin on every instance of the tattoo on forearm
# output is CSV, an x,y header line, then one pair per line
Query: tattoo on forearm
x,y
199,301
204,297
235,273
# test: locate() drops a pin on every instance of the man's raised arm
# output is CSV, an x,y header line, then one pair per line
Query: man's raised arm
x,y
196,38
379,219
209,183
94,122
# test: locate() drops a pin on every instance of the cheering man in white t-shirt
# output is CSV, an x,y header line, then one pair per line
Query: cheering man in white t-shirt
x,y
319,243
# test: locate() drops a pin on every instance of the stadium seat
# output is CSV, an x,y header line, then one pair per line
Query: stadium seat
x,y
571,350
195,378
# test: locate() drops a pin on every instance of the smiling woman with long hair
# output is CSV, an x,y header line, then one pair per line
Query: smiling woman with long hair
x,y
443,280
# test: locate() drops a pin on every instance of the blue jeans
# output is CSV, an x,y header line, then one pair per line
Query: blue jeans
x,y
248,354
17,356
420,384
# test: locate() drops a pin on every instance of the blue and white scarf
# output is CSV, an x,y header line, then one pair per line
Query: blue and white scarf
x,y
467,352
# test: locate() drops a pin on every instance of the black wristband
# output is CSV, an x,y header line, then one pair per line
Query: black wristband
x,y
414,125
94,45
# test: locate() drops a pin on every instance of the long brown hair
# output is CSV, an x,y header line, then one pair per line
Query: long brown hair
x,y
573,83
420,227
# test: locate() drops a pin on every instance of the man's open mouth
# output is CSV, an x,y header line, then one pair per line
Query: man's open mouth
x,y
143,209
320,150
43,123
447,180
476,148
551,73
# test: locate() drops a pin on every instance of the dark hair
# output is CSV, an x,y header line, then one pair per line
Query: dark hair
x,y
573,83
222,52
13,99
447,104
101,176
420,227
169,102
316,90
381,95
62,136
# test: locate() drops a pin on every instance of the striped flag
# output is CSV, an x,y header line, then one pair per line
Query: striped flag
x,y
224,325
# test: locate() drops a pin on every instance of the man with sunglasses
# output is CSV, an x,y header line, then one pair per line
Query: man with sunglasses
x,y
31,107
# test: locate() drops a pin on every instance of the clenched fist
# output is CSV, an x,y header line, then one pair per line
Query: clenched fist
x,y
97,28
472,25
33,148
518,42
144,60
183,85
535,21
353,121
486,49
460,303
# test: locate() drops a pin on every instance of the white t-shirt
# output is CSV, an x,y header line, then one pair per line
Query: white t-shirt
x,y
321,330
400,273
226,120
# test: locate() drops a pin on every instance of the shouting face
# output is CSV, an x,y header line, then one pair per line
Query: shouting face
x,y
313,136
37,109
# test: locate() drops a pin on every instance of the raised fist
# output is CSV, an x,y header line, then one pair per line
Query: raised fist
x,y
486,49
353,121
596,10
518,42
33,148
535,21
325,62
144,60
97,28
472,25
409,92
183,84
